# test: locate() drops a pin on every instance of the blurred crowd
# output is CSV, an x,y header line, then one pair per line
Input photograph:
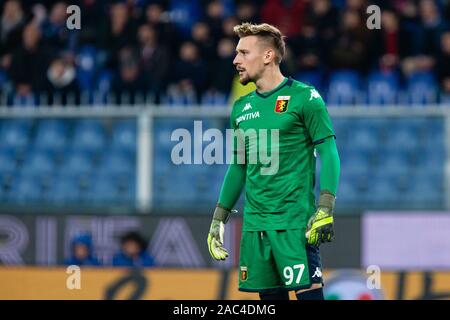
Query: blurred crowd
x,y
182,51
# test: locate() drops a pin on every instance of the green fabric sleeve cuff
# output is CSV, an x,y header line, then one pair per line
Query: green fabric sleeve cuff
x,y
329,165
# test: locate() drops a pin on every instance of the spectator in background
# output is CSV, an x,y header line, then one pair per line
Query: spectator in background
x,y
247,11
221,74
190,70
91,10
133,252
214,17
129,85
201,37
54,29
392,43
81,252
120,32
29,63
351,47
307,47
157,18
427,37
154,60
443,63
228,25
324,18
62,86
11,28
286,15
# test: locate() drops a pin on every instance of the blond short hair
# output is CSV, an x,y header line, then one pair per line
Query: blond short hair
x,y
267,33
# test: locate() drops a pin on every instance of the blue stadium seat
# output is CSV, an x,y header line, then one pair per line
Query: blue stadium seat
x,y
363,138
402,136
25,189
343,88
15,134
7,162
77,162
124,136
89,135
348,193
214,98
394,162
38,163
312,78
116,164
382,88
65,190
355,161
421,88
108,190
382,191
51,135
425,190
185,14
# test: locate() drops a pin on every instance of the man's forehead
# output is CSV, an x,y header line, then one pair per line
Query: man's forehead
x,y
247,43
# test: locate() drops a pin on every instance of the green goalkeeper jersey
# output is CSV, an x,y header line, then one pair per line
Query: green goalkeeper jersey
x,y
280,194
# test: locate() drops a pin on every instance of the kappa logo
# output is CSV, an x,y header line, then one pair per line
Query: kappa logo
x,y
314,94
317,273
247,106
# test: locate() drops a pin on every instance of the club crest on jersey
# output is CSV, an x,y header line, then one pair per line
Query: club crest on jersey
x,y
244,273
282,104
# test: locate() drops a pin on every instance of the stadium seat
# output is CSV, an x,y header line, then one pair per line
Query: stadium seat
x,y
89,135
15,134
421,87
117,164
108,190
124,136
343,88
51,135
382,88
65,190
77,162
312,78
25,189
38,163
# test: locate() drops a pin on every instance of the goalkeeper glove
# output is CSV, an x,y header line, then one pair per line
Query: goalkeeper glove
x,y
320,225
216,231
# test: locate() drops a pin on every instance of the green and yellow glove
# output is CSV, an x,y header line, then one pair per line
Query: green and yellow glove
x,y
216,231
320,225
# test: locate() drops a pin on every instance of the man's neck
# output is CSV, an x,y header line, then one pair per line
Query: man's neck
x,y
271,79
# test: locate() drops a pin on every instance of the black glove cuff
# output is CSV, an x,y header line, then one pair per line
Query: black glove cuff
x,y
326,200
221,214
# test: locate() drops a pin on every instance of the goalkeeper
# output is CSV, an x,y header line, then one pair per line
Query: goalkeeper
x,y
282,227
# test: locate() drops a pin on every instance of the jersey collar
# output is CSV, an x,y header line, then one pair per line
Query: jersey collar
x,y
268,93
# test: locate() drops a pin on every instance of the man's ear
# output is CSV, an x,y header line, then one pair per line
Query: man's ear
x,y
269,55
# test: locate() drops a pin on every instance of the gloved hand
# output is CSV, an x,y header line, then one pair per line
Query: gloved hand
x,y
320,225
216,231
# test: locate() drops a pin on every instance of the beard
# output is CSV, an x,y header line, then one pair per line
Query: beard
x,y
245,79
